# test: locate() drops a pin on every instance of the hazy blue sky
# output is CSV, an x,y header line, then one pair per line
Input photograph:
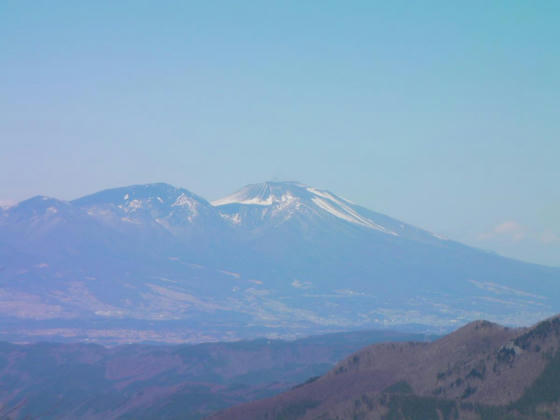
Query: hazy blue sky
x,y
443,114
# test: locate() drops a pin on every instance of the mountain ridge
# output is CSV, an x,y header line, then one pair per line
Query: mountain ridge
x,y
114,195
480,371
141,381
289,265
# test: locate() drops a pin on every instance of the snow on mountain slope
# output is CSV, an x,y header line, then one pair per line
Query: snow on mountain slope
x,y
275,203
342,210
172,208
273,256
150,200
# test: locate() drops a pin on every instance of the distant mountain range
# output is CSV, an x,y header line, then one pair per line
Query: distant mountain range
x,y
187,382
159,263
482,371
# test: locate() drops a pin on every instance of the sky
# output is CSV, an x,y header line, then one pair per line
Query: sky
x,y
442,114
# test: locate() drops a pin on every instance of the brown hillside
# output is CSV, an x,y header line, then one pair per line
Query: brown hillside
x,y
480,365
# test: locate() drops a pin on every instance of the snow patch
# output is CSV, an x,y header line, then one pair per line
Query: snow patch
x,y
182,201
233,199
134,205
323,194
342,210
302,284
438,236
233,218
230,273
346,213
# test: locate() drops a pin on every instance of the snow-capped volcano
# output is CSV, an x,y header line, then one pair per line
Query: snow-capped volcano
x,y
276,255
282,201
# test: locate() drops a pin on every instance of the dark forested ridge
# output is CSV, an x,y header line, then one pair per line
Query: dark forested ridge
x,y
482,371
62,380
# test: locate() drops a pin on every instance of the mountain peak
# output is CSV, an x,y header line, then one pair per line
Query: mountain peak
x,y
263,194
159,203
40,202
283,200
157,192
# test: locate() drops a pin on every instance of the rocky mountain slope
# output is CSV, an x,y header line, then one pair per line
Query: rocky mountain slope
x,y
68,381
481,371
159,263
